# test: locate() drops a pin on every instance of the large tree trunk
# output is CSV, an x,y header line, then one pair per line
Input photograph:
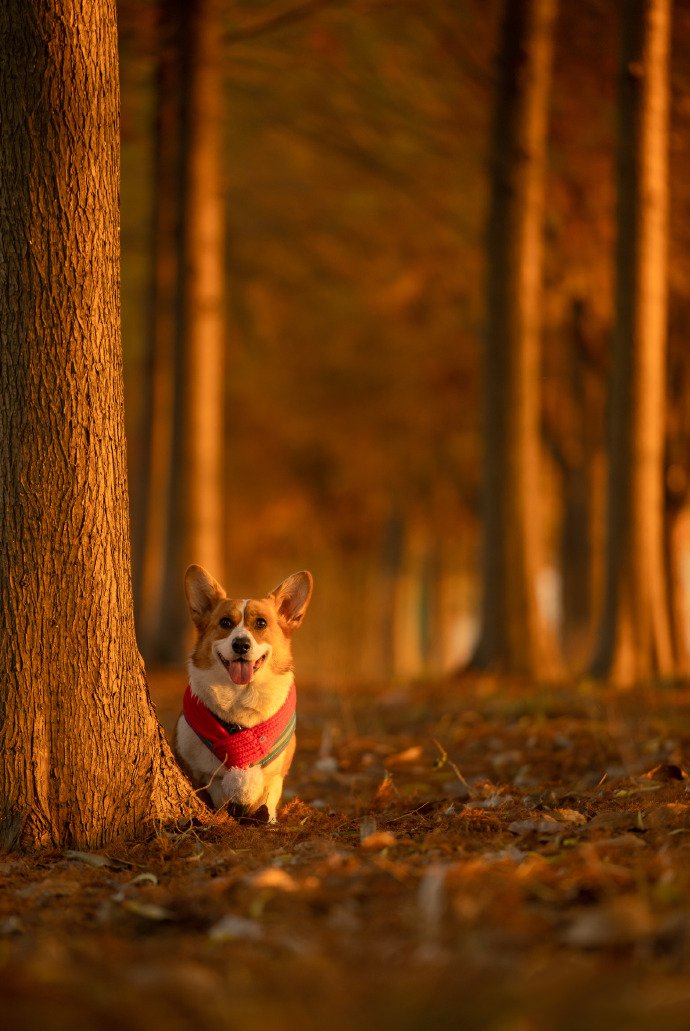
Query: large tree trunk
x,y
514,635
82,757
636,640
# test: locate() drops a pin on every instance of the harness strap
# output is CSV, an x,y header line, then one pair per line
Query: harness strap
x,y
242,747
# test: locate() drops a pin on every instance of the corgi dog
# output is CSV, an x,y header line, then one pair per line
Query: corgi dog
x,y
236,735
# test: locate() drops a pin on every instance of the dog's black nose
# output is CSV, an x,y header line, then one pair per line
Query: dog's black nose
x,y
241,645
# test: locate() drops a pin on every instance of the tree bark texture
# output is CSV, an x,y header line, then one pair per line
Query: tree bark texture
x,y
514,636
636,639
82,757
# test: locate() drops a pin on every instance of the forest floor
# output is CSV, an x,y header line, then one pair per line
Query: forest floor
x,y
466,854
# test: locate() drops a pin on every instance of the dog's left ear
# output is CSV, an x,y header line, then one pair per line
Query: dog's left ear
x,y
292,597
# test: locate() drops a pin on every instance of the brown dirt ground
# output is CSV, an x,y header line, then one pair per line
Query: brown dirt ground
x,y
472,854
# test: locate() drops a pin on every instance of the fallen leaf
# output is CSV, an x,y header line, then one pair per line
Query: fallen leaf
x,y
492,802
615,819
618,924
409,755
570,816
639,789
144,878
272,877
621,841
544,825
147,910
235,928
379,840
386,789
89,858
666,772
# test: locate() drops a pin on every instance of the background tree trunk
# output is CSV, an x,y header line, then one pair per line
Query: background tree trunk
x,y
675,544
636,640
676,501
573,420
514,635
153,525
203,380
197,528
82,757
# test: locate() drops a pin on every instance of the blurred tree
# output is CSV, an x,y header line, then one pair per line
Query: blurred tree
x,y
151,529
577,308
573,420
201,392
677,493
82,757
515,636
183,518
677,508
636,635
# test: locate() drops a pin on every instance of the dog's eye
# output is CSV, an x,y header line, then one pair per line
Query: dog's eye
x,y
225,622
260,623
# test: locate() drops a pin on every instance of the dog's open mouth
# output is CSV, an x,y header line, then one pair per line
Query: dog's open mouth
x,y
243,671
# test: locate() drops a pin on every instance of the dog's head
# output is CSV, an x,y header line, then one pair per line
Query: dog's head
x,y
245,641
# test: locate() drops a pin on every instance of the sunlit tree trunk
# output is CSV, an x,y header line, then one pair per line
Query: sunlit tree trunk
x,y
82,757
203,379
433,616
406,607
514,635
675,540
153,524
391,573
197,525
636,640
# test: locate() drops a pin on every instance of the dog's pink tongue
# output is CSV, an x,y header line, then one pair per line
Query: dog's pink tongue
x,y
241,672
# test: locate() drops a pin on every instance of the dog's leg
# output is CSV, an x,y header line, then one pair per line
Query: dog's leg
x,y
242,786
275,790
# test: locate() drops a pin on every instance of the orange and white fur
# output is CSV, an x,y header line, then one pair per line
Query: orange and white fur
x,y
241,669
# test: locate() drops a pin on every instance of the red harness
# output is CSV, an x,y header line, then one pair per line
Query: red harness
x,y
236,746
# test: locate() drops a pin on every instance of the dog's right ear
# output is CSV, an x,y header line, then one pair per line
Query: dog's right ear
x,y
203,594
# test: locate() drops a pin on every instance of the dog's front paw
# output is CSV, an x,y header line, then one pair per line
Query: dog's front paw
x,y
242,786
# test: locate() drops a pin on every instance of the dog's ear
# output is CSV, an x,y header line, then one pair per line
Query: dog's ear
x,y
292,597
203,593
